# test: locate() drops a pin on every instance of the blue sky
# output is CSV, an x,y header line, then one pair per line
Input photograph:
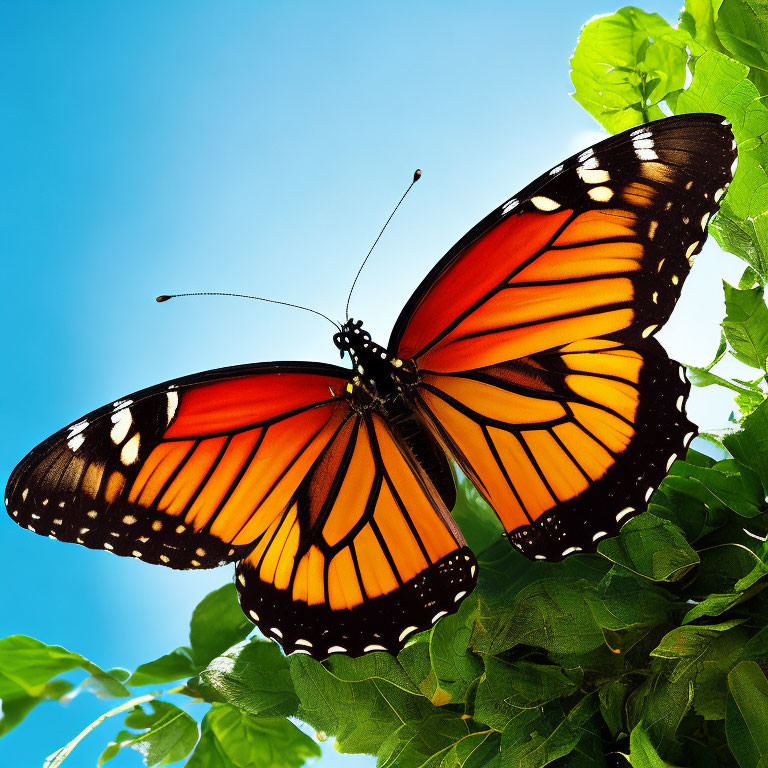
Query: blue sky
x,y
153,147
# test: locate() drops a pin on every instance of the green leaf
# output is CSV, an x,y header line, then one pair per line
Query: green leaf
x,y
478,522
742,26
746,719
650,547
217,624
477,750
26,665
612,697
175,665
16,708
552,614
509,688
166,734
440,660
642,753
745,237
746,325
232,738
552,735
698,20
750,446
414,742
362,713
625,64
255,678
623,601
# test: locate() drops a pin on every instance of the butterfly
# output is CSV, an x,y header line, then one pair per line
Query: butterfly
x,y
526,356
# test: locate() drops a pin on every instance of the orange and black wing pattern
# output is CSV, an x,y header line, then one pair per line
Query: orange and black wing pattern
x,y
345,544
366,554
533,336
187,474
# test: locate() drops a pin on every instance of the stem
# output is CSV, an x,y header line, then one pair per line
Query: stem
x,y
60,756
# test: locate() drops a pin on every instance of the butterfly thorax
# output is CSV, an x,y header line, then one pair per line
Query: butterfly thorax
x,y
379,377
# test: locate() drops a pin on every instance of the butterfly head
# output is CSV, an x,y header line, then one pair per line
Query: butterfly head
x,y
352,338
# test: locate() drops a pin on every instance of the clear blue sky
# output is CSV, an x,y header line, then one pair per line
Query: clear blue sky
x,y
150,147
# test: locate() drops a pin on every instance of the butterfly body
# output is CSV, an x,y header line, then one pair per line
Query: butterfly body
x,y
526,357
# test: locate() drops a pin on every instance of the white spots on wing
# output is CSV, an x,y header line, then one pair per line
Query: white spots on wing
x,y
601,194
76,429
241,578
93,514
136,553
675,279
79,541
195,563
181,528
129,520
704,221
407,631
121,424
300,650
107,545
687,439
540,557
369,648
30,528
118,404
624,512
15,513
472,571
115,534
718,195
57,521
556,170
691,248
200,552
143,539
571,550
681,373
654,225
302,641
130,452
671,460
173,404
24,494
83,531
733,166
655,297
689,185
75,442
439,615
509,206
545,203
587,158
254,615
592,175
679,403
599,535
459,596
35,517
62,504
646,155
649,493
45,502
337,649
649,330
165,558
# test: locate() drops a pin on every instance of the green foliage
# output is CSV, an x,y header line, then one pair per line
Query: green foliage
x,y
652,648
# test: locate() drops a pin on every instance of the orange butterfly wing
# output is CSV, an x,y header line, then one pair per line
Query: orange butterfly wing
x,y
344,542
533,335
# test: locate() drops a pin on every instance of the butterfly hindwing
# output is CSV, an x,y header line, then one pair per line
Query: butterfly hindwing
x,y
365,555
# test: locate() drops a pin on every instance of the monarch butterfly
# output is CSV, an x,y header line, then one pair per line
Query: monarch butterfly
x,y
526,356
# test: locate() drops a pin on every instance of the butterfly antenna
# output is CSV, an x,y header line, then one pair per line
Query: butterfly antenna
x,y
416,177
168,297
